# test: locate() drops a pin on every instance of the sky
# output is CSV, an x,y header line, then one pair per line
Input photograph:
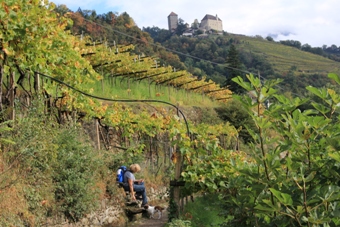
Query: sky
x,y
313,22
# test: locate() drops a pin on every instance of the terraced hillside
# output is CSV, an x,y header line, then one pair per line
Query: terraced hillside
x,y
285,58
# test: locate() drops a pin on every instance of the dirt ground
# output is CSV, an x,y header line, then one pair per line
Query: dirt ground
x,y
150,222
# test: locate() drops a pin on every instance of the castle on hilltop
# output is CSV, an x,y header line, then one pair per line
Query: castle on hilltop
x,y
208,23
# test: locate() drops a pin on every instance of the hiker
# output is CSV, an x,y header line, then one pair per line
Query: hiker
x,y
133,185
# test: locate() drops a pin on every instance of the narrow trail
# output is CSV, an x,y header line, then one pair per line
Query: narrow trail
x,y
151,222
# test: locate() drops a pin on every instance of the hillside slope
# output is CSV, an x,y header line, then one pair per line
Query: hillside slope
x,y
206,57
285,58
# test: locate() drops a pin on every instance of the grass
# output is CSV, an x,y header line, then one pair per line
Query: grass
x,y
128,89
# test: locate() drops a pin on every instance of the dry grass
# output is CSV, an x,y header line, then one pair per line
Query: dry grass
x,y
101,186
13,206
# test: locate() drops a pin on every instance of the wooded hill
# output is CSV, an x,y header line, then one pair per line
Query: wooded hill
x,y
207,57
257,55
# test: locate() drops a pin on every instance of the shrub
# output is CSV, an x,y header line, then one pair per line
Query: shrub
x,y
73,175
57,164
293,177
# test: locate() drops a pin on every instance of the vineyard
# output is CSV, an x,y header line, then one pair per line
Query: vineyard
x,y
283,58
45,68
61,141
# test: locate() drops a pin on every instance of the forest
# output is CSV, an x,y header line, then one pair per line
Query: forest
x,y
70,115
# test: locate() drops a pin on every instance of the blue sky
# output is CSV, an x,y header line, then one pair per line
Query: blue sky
x,y
316,22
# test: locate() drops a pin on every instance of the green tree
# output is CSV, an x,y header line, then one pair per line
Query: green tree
x,y
269,38
158,35
233,69
181,27
234,113
62,9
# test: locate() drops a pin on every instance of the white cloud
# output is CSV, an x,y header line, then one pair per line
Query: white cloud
x,y
308,21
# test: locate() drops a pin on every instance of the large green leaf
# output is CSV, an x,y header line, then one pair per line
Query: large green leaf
x,y
310,177
321,108
242,83
265,208
335,77
322,93
335,156
283,198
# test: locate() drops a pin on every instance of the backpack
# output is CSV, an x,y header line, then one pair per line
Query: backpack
x,y
120,173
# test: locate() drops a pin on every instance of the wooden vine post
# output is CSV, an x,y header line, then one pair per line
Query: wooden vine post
x,y
97,133
149,82
11,95
1,81
175,184
36,83
178,167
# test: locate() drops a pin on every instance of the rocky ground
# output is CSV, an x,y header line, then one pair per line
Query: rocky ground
x,y
144,221
112,214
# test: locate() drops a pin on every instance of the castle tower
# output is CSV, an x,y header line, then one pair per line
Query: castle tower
x,y
172,21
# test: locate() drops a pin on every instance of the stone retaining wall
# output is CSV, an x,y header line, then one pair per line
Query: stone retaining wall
x,y
111,212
